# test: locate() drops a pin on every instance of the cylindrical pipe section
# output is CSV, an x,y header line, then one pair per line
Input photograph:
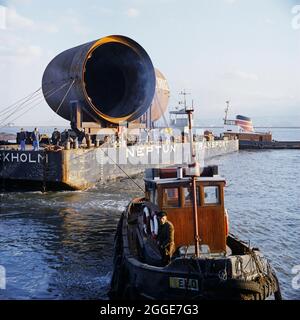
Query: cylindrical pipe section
x,y
112,79
161,97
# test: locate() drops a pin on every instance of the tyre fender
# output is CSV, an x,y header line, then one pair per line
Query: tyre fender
x,y
154,226
146,220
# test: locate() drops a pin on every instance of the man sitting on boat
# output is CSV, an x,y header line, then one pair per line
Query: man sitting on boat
x,y
165,237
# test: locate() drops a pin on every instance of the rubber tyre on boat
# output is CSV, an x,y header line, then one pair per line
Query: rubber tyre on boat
x,y
242,286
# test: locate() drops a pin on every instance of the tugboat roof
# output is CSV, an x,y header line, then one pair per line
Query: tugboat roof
x,y
185,179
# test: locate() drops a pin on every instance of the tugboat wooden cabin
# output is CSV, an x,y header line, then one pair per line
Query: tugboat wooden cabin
x,y
174,195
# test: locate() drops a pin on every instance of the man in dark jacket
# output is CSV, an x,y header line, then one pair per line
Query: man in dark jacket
x,y
56,137
22,139
165,237
35,136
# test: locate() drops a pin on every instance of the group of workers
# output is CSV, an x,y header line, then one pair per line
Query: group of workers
x,y
35,138
57,138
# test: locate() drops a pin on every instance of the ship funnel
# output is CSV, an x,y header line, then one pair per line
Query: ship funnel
x,y
112,79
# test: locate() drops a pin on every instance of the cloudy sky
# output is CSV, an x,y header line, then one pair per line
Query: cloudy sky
x,y
246,51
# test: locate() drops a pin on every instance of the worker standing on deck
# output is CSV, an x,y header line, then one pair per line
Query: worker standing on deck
x,y
165,237
56,137
22,139
81,136
36,139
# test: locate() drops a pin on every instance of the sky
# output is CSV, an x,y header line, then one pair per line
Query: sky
x,y
245,51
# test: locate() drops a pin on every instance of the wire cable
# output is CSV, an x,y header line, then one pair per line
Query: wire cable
x,y
46,95
24,104
62,101
122,170
20,100
16,106
19,107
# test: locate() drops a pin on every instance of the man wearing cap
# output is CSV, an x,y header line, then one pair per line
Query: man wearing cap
x,y
56,137
165,237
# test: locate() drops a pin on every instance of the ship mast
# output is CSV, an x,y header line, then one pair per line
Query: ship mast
x,y
184,94
194,172
226,111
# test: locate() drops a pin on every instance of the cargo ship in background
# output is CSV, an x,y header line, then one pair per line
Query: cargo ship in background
x,y
242,129
112,95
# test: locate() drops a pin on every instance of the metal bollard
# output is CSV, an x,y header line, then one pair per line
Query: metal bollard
x,y
88,143
68,145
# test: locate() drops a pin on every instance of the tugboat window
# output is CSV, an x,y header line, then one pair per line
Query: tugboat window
x,y
171,198
211,195
188,196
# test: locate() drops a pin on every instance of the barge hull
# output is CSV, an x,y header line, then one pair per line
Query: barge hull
x,y
79,169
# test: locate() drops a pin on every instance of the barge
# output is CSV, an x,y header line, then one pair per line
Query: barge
x,y
104,88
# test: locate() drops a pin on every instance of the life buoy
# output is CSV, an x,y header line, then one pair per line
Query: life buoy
x,y
154,226
226,223
146,220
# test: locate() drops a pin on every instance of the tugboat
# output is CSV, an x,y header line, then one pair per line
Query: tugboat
x,y
209,263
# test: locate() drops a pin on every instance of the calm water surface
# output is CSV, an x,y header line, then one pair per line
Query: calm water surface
x,y
59,245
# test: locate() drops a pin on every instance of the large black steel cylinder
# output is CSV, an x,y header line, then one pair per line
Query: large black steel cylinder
x,y
113,80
